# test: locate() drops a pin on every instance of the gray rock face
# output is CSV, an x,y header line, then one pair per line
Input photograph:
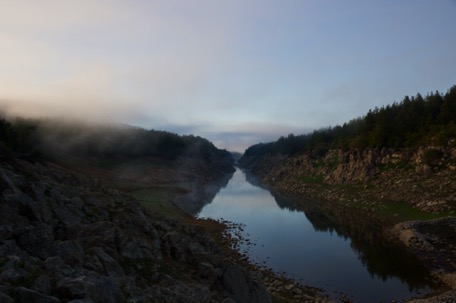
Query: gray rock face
x,y
65,239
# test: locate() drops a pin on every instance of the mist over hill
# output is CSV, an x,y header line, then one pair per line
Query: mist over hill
x,y
108,147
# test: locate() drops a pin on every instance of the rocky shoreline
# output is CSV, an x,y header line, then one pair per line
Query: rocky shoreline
x,y
281,288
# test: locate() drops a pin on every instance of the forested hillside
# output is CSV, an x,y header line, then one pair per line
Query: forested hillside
x,y
25,136
404,152
110,147
413,122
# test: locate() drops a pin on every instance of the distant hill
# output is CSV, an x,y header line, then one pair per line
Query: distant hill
x,y
108,147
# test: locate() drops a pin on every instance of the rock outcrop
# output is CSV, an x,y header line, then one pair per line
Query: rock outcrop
x,y
63,238
423,177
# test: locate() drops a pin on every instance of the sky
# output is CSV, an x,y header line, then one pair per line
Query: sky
x,y
237,72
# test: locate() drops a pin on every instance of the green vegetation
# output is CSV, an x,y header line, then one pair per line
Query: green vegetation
x,y
159,199
312,179
413,122
402,212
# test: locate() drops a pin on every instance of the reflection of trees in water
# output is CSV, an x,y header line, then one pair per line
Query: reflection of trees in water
x,y
253,179
201,195
381,257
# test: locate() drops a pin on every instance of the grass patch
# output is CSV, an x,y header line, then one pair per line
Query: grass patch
x,y
403,212
312,179
159,199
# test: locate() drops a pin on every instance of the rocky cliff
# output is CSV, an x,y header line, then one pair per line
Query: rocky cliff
x,y
63,238
423,177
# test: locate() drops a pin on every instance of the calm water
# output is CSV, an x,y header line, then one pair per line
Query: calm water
x,y
333,249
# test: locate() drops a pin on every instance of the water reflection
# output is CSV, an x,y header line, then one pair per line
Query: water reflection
x,y
199,196
324,246
381,257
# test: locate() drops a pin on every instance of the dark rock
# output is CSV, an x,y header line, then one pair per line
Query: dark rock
x,y
176,246
27,206
11,213
69,215
42,285
70,251
101,234
9,247
12,276
93,286
240,285
53,264
179,292
37,240
25,295
5,298
208,272
110,267
137,248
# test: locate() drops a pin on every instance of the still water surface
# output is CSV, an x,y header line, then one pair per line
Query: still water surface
x,y
333,249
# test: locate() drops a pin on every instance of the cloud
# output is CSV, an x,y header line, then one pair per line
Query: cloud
x,y
89,58
230,69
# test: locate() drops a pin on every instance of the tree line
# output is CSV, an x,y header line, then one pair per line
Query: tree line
x,y
47,138
414,121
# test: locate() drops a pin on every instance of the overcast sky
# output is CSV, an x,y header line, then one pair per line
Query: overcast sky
x,y
237,72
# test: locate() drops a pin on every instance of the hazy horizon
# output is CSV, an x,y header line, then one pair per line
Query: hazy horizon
x,y
236,73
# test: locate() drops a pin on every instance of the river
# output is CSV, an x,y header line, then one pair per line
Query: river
x,y
316,244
